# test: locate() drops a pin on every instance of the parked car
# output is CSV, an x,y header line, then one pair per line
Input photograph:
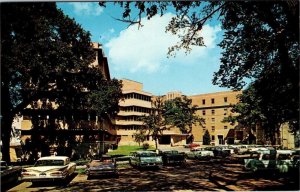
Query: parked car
x,y
172,157
9,174
221,152
142,159
199,153
270,160
49,168
191,145
105,165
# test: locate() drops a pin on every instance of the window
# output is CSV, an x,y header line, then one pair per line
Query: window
x,y
213,128
203,112
212,101
225,99
203,101
225,127
49,162
212,137
213,120
225,111
213,112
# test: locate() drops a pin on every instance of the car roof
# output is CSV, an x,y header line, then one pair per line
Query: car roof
x,y
54,158
140,152
106,156
285,151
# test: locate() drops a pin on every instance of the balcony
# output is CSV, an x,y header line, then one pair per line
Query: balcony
x,y
135,102
123,122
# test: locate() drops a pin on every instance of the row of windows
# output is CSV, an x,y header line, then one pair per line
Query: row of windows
x,y
137,96
132,136
130,118
130,127
136,109
77,116
213,112
213,128
212,100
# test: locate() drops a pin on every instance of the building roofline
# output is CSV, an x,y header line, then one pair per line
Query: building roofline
x,y
136,91
132,80
214,93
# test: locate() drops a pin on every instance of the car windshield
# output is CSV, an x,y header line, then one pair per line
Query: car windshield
x,y
284,156
148,154
3,163
96,163
49,163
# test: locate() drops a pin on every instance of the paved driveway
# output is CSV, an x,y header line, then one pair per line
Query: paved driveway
x,y
213,175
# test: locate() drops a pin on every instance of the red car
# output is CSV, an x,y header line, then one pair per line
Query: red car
x,y
192,145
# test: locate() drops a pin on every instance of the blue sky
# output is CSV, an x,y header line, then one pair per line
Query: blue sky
x,y
141,54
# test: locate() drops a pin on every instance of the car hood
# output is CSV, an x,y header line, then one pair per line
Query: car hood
x,y
44,169
151,159
103,166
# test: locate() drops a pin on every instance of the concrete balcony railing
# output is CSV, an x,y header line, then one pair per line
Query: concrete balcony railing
x,y
135,102
130,113
122,122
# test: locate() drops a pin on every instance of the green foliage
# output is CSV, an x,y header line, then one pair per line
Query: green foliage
x,y
81,171
154,122
146,146
139,137
46,55
105,99
126,149
255,110
206,138
260,44
179,112
172,113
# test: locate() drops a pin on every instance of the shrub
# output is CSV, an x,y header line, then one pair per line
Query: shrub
x,y
146,146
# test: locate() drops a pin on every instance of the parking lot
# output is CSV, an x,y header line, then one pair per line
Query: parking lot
x,y
216,174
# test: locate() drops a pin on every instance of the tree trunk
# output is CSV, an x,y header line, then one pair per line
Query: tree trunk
x,y
156,143
6,124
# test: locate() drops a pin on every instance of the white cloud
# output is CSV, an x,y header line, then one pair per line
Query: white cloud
x,y
145,49
112,30
87,8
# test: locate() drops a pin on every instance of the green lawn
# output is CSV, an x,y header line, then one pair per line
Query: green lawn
x,y
125,150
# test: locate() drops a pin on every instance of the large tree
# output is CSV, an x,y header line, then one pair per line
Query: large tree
x,y
260,44
176,113
45,55
154,122
181,113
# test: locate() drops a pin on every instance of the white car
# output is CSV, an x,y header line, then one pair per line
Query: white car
x,y
199,153
142,159
49,168
270,160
